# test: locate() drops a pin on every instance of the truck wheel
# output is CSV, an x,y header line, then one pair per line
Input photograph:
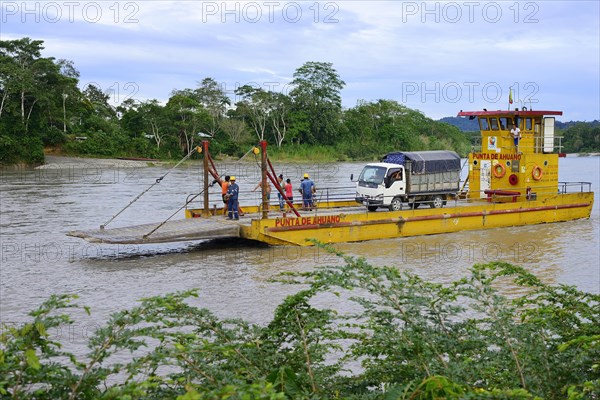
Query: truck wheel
x,y
396,204
437,202
372,208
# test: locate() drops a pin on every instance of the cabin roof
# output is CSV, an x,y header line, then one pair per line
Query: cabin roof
x,y
508,113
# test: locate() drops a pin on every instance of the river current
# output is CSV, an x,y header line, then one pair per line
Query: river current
x,y
39,206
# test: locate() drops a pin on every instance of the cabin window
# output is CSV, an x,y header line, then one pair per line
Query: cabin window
x,y
494,123
395,175
483,124
528,124
505,123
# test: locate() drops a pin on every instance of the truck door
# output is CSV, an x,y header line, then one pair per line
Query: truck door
x,y
394,184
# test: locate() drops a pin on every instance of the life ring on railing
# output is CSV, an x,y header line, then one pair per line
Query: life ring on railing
x,y
537,173
513,179
499,170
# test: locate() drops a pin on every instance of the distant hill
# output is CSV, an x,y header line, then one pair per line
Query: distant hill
x,y
566,125
464,124
470,125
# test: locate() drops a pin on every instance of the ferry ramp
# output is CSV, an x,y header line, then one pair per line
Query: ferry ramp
x,y
171,231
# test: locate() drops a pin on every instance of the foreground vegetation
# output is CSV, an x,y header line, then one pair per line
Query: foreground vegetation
x,y
389,335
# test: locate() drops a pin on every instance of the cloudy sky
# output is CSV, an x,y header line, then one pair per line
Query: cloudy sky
x,y
435,56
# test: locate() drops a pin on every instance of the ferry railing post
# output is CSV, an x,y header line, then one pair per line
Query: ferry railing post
x,y
263,172
206,210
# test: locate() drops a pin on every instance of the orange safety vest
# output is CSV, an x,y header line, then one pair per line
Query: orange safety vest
x,y
224,187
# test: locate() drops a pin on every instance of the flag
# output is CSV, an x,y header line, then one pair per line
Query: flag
x,y
510,99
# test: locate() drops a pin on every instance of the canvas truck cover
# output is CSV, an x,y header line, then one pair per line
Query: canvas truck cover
x,y
425,162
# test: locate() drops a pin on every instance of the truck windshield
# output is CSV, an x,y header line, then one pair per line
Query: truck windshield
x,y
372,174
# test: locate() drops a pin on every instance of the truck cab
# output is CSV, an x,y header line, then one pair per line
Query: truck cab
x,y
379,183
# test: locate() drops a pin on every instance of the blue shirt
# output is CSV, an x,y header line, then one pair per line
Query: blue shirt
x,y
306,185
233,191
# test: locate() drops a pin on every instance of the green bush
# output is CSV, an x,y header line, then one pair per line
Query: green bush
x,y
98,144
53,137
405,338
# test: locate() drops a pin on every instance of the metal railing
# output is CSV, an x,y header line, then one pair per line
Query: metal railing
x,y
348,193
538,145
579,187
249,197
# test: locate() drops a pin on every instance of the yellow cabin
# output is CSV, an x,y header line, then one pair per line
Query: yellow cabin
x,y
512,170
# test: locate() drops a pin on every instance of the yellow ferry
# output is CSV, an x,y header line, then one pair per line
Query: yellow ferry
x,y
512,181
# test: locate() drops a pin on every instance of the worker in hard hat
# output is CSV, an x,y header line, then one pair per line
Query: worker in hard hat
x,y
307,188
232,199
224,183
224,187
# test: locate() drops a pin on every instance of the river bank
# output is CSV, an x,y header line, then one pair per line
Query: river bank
x,y
55,161
310,154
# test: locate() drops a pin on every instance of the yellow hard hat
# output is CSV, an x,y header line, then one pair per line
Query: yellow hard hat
x,y
306,175
232,178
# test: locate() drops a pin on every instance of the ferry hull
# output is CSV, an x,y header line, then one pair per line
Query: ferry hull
x,y
337,228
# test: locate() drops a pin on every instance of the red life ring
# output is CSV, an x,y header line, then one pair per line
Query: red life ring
x,y
499,170
513,179
537,173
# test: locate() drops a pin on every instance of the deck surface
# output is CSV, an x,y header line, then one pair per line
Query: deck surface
x,y
171,231
191,228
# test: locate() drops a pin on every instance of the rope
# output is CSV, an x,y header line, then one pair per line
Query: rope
x,y
158,180
172,215
214,172
244,156
193,198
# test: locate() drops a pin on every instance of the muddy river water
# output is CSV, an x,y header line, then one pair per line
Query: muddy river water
x,y
38,206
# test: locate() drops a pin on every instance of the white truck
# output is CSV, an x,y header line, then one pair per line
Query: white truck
x,y
420,177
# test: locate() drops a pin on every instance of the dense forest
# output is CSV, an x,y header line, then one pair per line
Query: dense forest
x,y
43,108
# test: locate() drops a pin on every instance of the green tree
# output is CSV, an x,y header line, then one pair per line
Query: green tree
x,y
281,105
235,129
582,137
255,108
98,103
385,121
29,76
33,105
386,125
155,120
316,95
266,112
18,59
187,116
214,100
68,87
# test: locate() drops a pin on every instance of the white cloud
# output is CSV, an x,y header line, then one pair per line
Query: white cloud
x,y
382,49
